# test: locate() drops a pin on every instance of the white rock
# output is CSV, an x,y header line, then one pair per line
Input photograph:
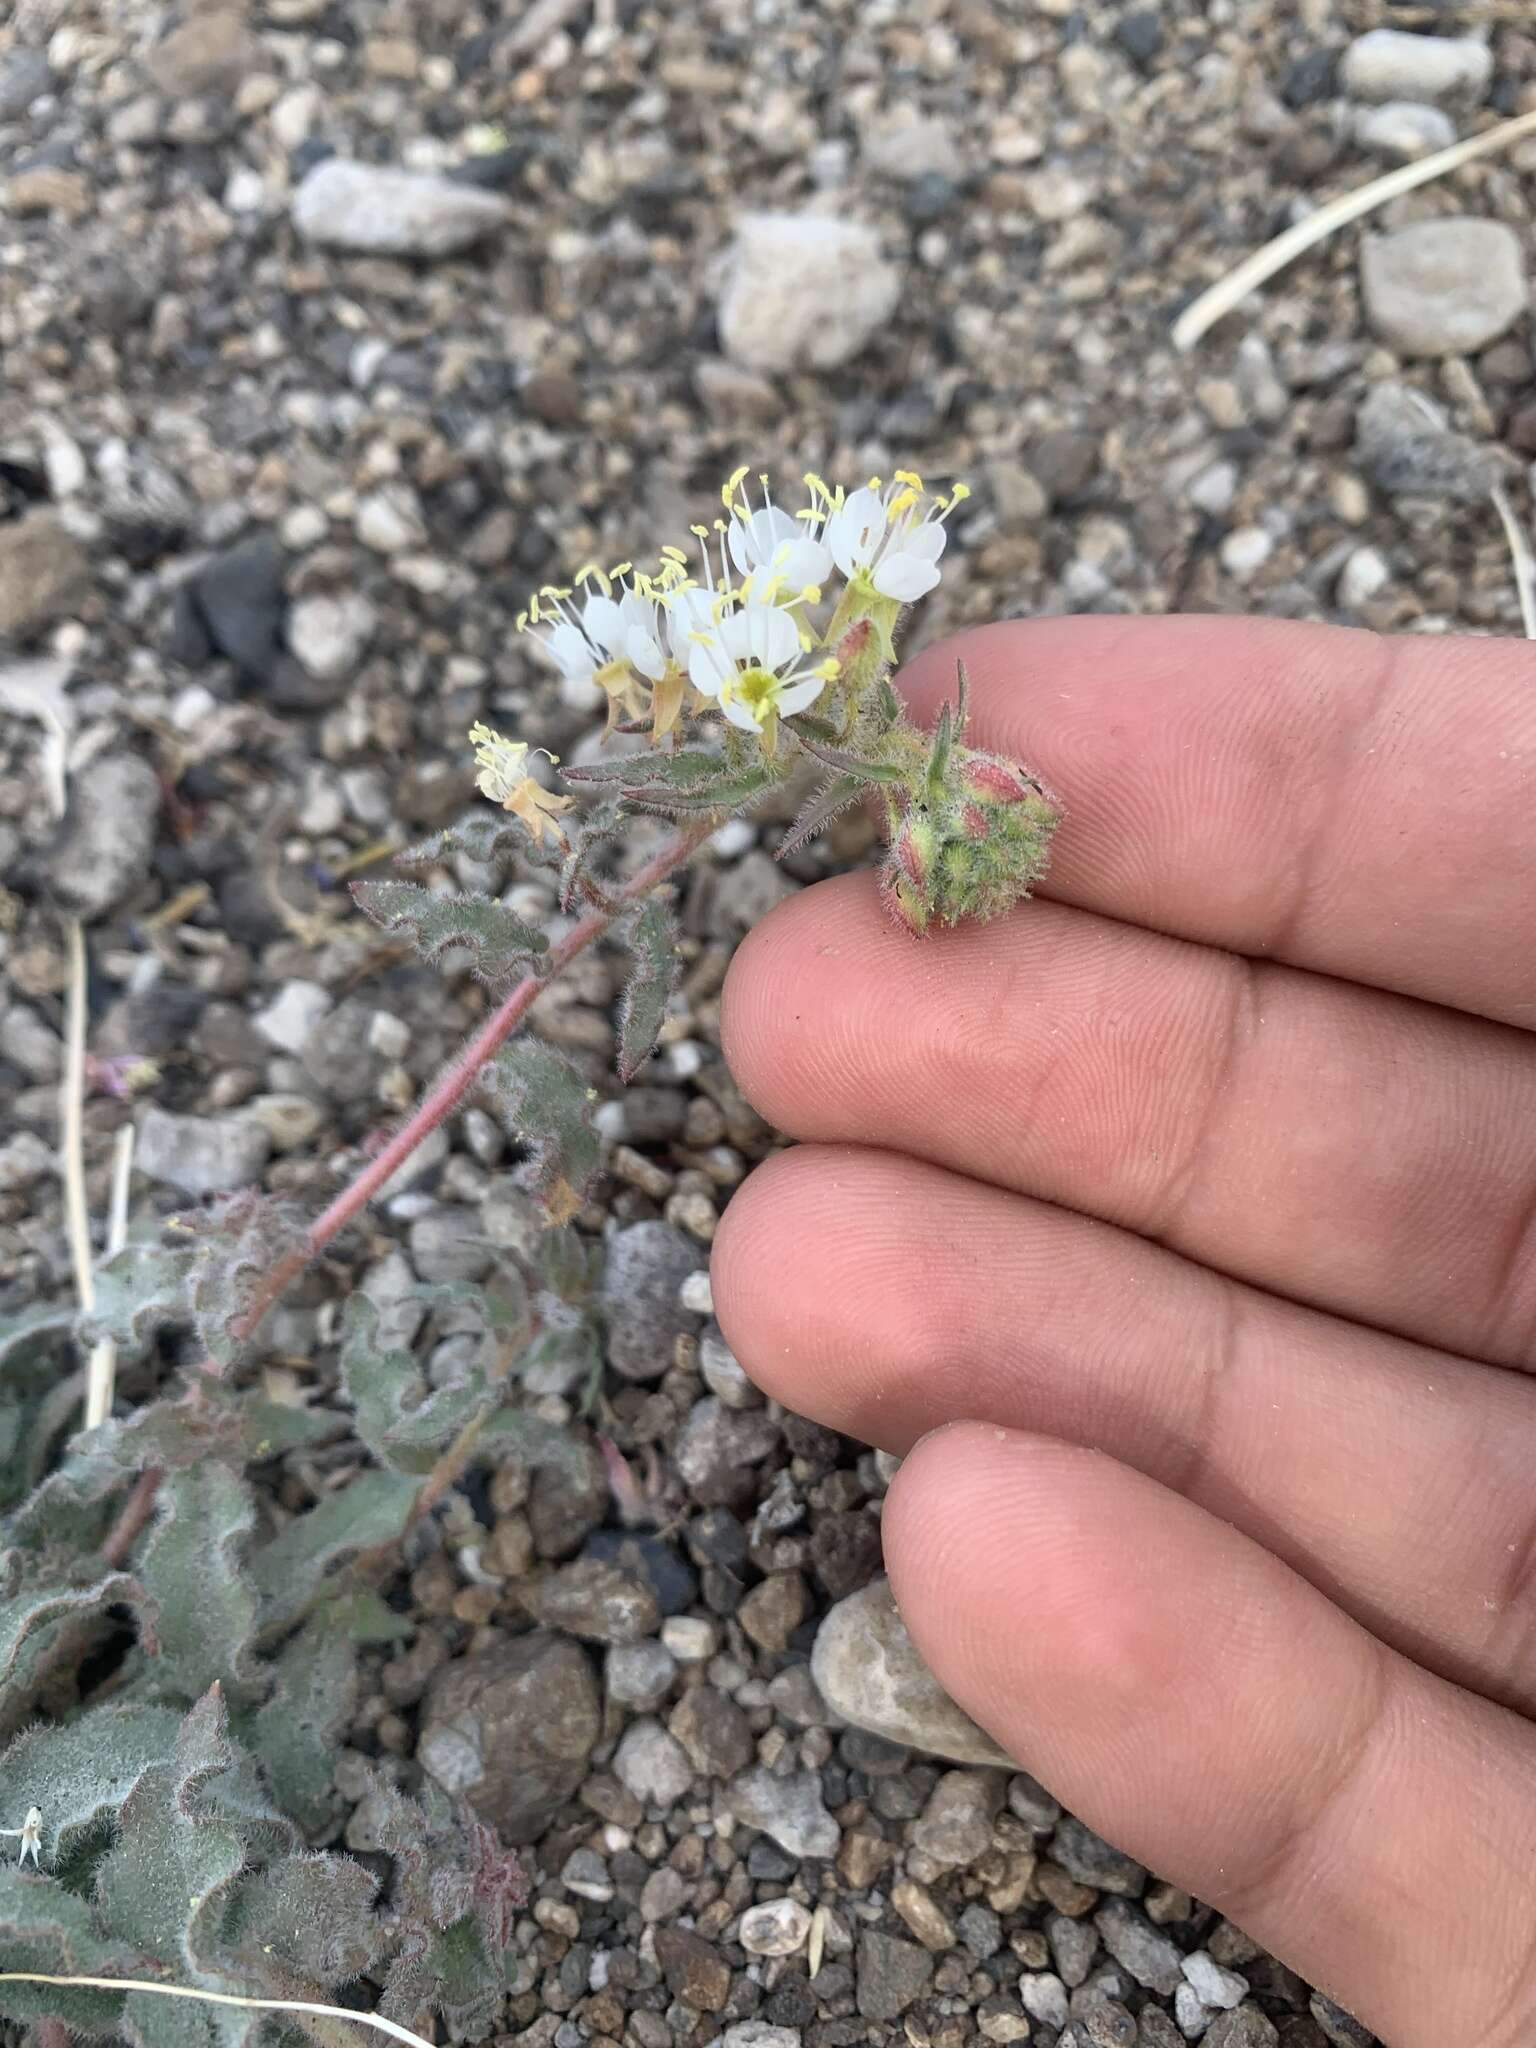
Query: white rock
x,y
696,1295
759,2034
1443,287
1404,129
905,143
1215,487
1393,64
723,1373
1365,573
288,1120
1245,551
378,211
292,1015
1212,1984
639,1674
776,1928
652,1764
329,634
1044,1997
389,521
690,1638
867,1669
804,291
1190,2012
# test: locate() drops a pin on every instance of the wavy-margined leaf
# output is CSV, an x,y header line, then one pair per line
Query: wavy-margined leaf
x,y
89,1766
138,1291
544,1102
483,839
372,1508
299,1730
691,780
652,937
193,1566
403,1422
312,1915
30,1615
499,942
45,1928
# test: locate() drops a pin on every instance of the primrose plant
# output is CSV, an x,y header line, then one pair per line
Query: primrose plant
x,y
182,1640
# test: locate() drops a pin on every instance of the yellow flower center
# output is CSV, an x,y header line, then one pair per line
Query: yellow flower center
x,y
757,688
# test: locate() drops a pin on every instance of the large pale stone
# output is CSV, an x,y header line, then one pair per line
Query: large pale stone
x,y
804,291
1443,287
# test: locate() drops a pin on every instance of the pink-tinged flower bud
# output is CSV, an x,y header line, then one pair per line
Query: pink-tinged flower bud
x,y
995,781
903,901
974,822
912,850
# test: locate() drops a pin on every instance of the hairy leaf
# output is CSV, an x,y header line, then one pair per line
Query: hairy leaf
x,y
827,803
484,839
297,1733
499,942
238,1244
45,1928
689,780
311,1914
193,1566
851,764
652,937
544,1102
272,1427
366,1618
38,1393
372,1508
151,2022
28,1612
402,1422
138,1291
88,1767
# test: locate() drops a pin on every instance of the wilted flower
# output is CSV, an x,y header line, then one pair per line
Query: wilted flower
x,y
503,777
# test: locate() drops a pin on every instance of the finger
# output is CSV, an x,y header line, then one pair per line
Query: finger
x,y
1196,1702
1394,1478
1361,806
1357,1151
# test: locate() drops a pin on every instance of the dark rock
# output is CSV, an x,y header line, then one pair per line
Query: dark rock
x,y
644,1267
1140,35
238,602
592,1599
107,839
714,1731
1152,1959
153,1021
1091,1860
1342,2028
792,2003
717,1538
567,1499
845,1552
929,196
890,1974
716,1449
1311,78
1063,463
511,1729
652,1558
1244,2027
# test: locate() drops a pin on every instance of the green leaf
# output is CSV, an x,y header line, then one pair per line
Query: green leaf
x,y
298,1732
484,839
45,1928
238,1244
311,1915
272,1427
194,1567
652,937
138,1291
499,942
851,764
834,797
164,1883
689,780
89,1766
366,1618
469,1986
29,1612
372,1508
404,1424
543,1100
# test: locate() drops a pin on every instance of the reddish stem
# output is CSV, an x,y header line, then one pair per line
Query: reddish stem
x,y
449,1090
136,1512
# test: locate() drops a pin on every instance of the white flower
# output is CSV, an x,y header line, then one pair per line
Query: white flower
x,y
31,1833
889,536
503,776
780,552
596,637
752,662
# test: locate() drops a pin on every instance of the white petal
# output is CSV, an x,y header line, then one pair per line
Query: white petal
x,y
925,540
856,529
802,561
741,714
568,647
773,639
797,696
708,667
905,577
603,623
754,539
734,633
688,612
645,653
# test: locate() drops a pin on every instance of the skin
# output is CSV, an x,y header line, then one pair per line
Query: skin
x,y
1179,1230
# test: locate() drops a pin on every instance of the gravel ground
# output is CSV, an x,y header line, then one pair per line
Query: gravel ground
x,y
284,445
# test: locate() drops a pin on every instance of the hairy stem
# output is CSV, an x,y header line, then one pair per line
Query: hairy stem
x,y
449,1090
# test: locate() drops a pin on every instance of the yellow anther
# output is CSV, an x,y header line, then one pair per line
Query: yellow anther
x,y
731,486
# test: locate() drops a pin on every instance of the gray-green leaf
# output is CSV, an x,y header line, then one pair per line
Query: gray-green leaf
x,y
499,942
643,1006
544,1102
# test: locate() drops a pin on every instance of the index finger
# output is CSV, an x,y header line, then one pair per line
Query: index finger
x,y
1361,806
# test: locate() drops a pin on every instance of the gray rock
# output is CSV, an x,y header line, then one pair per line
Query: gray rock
x,y
511,1729
1247,2027
1403,130
339,1054
644,1267
210,51
568,1498
1032,1804
293,1013
23,1160
723,1373
43,573
330,634
1152,1959
759,2034
1393,64
867,1669
448,1244
789,1809
981,1930
640,1674
889,1974
956,1825
368,209
25,75
716,1449
1074,1944
1211,1984
715,1732
745,893
200,1155
776,1928
1191,2012
1443,287
804,291
29,1043
1044,1997
652,1765
586,1874
1089,1858
592,1599
1406,446
1342,2028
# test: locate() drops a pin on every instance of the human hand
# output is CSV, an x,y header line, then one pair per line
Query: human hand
x,y
1181,1231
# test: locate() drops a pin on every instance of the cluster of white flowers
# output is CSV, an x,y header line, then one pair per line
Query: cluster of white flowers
x,y
743,633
